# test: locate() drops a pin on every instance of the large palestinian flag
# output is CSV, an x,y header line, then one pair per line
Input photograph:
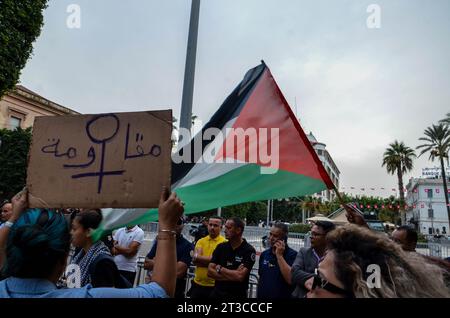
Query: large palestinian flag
x,y
260,153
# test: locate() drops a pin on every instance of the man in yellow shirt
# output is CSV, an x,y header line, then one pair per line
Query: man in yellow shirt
x,y
202,285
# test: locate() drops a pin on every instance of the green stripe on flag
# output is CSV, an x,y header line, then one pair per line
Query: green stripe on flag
x,y
244,184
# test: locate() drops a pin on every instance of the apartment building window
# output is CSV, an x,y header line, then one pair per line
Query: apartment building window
x,y
15,122
16,118
430,193
319,152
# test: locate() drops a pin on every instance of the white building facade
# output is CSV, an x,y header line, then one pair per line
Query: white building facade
x,y
330,167
427,206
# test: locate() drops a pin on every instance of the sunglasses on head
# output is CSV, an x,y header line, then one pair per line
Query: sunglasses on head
x,y
321,283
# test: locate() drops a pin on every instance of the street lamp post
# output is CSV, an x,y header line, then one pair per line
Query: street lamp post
x,y
189,71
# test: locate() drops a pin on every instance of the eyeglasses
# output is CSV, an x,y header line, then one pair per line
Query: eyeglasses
x,y
321,283
317,234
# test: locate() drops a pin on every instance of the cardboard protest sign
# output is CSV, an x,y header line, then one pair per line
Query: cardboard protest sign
x,y
119,160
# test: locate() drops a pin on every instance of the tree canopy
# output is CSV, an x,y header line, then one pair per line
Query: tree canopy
x,y
20,25
14,146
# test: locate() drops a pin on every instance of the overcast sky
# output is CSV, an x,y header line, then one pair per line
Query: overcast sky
x,y
356,88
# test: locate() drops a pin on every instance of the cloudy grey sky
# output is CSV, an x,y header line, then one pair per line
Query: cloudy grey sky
x,y
357,89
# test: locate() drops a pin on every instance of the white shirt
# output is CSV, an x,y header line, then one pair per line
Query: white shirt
x,y
124,238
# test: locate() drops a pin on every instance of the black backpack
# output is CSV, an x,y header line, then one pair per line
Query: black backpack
x,y
120,280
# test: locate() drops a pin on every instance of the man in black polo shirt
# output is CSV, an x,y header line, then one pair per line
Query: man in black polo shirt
x,y
184,258
232,262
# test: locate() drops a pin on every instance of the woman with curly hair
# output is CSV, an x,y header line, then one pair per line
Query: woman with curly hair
x,y
353,252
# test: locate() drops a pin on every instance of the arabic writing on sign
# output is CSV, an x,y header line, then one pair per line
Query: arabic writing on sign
x,y
114,123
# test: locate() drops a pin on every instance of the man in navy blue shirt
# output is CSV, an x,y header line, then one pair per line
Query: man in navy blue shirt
x,y
275,265
184,258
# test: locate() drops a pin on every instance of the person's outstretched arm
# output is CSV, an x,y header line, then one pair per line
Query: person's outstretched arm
x,y
165,262
354,217
20,204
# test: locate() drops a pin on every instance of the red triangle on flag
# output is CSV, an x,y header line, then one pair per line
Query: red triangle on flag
x,y
258,113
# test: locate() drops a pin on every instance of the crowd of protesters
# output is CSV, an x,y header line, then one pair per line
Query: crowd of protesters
x,y
349,261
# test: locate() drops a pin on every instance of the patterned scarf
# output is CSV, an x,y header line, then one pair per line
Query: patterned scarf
x,y
84,260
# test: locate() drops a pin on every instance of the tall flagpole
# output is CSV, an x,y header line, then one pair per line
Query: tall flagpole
x,y
189,71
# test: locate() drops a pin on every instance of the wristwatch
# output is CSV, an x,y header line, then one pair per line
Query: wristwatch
x,y
218,269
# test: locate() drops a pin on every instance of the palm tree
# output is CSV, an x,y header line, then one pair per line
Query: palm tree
x,y
446,121
398,158
438,144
